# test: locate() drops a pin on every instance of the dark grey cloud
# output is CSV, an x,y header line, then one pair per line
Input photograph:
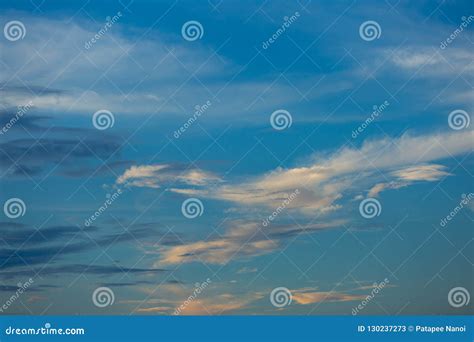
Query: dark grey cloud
x,y
29,157
16,234
98,270
32,288
26,122
35,142
108,168
33,90
12,257
137,282
21,245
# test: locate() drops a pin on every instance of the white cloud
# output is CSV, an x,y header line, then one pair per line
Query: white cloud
x,y
434,62
157,175
156,73
242,239
310,296
428,173
327,180
376,166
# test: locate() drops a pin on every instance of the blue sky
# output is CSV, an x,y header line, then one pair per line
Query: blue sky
x,y
382,118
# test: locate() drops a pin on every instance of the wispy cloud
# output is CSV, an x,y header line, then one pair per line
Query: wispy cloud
x,y
136,75
327,180
428,173
155,176
406,176
243,239
310,296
